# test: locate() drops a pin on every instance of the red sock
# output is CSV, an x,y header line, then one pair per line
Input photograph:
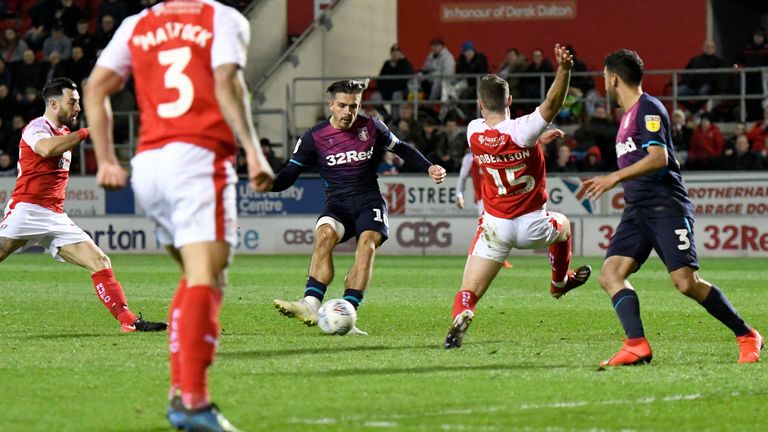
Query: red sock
x,y
198,337
174,314
560,259
111,294
464,300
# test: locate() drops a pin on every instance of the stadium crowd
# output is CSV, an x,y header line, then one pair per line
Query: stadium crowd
x,y
63,38
441,84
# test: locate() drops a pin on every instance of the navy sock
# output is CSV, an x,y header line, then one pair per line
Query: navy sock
x,y
315,288
353,296
719,307
627,306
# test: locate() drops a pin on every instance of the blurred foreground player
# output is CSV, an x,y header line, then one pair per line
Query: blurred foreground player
x,y
187,60
514,194
658,216
35,213
347,149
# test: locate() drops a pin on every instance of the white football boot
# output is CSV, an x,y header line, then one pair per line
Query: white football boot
x,y
301,310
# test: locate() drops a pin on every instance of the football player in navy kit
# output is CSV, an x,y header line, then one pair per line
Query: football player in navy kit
x,y
658,216
346,149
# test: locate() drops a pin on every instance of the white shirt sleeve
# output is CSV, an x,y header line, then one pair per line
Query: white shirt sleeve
x,y
525,130
466,165
117,55
36,131
231,35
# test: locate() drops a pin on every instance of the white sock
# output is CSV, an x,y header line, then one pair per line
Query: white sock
x,y
561,284
313,302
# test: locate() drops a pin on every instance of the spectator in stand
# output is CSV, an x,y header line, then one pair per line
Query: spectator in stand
x,y
742,158
730,143
57,41
6,146
117,9
79,67
102,37
7,167
566,162
433,143
85,39
68,14
13,47
703,84
394,89
598,131
29,73
241,164
31,104
681,135
755,54
42,20
5,74
707,145
403,125
55,67
438,64
17,126
593,160
457,142
584,83
470,62
274,162
759,132
389,165
532,88
8,106
514,63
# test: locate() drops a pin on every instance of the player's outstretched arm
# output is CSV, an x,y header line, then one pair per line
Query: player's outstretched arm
x,y
594,187
559,89
413,156
549,136
57,145
102,83
231,93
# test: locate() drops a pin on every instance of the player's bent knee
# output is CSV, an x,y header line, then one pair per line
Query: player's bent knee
x,y
608,280
330,229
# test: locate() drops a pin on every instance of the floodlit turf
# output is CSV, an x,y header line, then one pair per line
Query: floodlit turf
x,y
529,361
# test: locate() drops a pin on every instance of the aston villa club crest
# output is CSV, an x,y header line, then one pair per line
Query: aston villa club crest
x,y
362,133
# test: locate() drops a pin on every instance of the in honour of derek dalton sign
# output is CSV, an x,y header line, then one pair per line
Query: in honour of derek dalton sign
x,y
508,11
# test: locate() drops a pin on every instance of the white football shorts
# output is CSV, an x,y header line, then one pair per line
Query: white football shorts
x,y
496,237
40,226
188,192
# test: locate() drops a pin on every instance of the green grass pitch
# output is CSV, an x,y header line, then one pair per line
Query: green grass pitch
x,y
529,361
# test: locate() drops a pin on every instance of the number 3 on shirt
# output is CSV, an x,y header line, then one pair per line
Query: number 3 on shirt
x,y
176,60
511,180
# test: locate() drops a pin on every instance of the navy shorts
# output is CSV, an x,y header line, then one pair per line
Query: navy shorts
x,y
359,214
670,236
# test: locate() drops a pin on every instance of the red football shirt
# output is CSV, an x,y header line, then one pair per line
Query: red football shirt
x,y
172,50
514,180
41,181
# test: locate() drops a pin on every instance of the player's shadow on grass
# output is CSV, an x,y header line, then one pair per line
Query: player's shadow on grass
x,y
261,354
438,369
66,335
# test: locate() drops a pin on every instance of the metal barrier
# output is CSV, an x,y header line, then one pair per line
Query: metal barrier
x,y
735,77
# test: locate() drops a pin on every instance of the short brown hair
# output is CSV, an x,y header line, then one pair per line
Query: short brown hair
x,y
493,92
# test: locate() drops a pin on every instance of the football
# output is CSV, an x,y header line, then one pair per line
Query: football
x,y
336,317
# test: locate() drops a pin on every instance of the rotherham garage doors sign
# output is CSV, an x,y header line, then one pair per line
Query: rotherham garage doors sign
x,y
508,11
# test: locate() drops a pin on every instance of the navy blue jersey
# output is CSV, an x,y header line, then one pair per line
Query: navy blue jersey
x,y
346,159
645,124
